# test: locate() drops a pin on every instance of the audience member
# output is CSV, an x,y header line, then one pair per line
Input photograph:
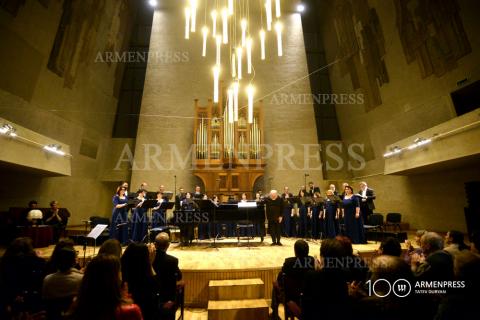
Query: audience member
x,y
52,263
21,276
435,263
294,270
454,241
168,274
138,274
384,304
462,303
325,292
475,245
66,281
355,268
100,296
111,247
411,249
390,247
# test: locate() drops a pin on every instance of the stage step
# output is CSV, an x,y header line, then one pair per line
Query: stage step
x,y
236,289
249,309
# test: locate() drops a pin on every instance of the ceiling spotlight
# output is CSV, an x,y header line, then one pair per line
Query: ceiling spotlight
x,y
152,3
54,148
300,7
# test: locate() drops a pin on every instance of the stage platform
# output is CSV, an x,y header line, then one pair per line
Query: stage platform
x,y
201,262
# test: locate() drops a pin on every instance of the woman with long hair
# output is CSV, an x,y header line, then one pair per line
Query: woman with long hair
x,y
119,226
138,274
100,296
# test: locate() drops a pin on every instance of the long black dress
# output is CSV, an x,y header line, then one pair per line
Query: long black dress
x,y
353,226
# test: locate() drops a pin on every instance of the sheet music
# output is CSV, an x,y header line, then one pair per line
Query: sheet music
x,y
97,231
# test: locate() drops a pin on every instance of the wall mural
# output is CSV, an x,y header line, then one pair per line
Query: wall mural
x,y
361,48
432,33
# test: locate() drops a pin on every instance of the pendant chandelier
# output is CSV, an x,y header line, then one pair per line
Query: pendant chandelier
x,y
228,26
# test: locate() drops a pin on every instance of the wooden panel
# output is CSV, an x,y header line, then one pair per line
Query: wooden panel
x,y
196,290
238,309
236,289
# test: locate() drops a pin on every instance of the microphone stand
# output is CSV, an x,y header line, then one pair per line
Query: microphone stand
x,y
87,222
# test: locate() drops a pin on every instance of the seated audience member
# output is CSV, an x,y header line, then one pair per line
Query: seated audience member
x,y
52,263
57,219
294,269
111,247
462,303
168,275
325,292
475,245
411,249
21,276
100,295
390,247
435,263
138,274
454,242
61,287
356,269
390,306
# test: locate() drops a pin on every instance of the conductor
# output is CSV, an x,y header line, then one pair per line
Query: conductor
x,y
274,207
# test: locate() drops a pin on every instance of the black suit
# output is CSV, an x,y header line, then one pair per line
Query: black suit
x,y
367,206
311,191
168,273
295,270
274,212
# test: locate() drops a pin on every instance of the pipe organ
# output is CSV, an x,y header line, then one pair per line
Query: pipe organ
x,y
227,154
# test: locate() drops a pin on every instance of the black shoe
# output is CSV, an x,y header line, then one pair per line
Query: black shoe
x,y
279,244
273,244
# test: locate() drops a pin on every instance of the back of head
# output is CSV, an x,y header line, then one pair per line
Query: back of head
x,y
100,290
390,268
19,247
391,247
431,242
301,249
111,247
456,237
331,251
162,241
66,258
346,243
135,263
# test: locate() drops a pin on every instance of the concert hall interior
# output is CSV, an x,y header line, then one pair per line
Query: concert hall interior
x,y
239,159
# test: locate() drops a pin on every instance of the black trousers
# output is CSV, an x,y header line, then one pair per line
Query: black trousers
x,y
365,211
275,231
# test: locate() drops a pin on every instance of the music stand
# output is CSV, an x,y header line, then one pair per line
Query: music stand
x,y
95,233
208,206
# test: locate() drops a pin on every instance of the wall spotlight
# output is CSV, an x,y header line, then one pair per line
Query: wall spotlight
x,y
419,142
393,151
8,130
54,148
300,7
152,3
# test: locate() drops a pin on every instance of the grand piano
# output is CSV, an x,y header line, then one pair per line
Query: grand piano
x,y
249,216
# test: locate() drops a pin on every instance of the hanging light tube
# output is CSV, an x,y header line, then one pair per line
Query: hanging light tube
x,y
216,76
